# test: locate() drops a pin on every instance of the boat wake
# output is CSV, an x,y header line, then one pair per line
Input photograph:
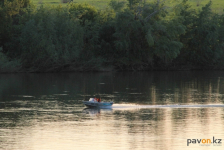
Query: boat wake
x,y
121,107
129,106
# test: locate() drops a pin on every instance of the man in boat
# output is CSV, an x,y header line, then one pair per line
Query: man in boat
x,y
98,100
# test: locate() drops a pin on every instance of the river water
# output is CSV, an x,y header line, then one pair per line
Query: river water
x,y
152,110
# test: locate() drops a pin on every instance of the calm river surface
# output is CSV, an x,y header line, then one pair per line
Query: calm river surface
x,y
152,110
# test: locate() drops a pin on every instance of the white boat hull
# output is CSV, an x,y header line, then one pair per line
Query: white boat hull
x,y
97,104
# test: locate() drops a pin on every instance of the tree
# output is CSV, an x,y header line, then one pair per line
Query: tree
x,y
9,13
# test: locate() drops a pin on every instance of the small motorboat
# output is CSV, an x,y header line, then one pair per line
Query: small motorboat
x,y
94,103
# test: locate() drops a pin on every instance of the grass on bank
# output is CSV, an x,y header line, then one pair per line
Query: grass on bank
x,y
217,5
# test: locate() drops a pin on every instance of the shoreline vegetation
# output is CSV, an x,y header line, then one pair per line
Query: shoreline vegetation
x,y
126,36
217,5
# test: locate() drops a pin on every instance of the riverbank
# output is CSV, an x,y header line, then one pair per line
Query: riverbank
x,y
74,68
133,37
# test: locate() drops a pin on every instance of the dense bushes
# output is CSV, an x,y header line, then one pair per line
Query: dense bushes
x,y
80,37
203,38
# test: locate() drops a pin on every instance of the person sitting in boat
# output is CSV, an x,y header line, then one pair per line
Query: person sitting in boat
x,y
98,100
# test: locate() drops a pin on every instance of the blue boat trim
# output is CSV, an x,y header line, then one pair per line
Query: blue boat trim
x,y
97,104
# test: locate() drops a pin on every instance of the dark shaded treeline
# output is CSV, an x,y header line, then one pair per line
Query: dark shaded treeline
x,y
136,36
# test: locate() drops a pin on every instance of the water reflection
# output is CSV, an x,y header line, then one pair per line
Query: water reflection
x,y
147,88
96,111
158,110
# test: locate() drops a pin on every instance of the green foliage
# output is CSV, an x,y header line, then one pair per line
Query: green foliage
x,y
7,65
83,12
130,44
10,11
80,37
132,3
52,39
149,38
201,40
116,5
167,47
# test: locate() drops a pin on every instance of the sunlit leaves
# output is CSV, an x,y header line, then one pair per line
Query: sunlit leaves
x,y
82,12
116,5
